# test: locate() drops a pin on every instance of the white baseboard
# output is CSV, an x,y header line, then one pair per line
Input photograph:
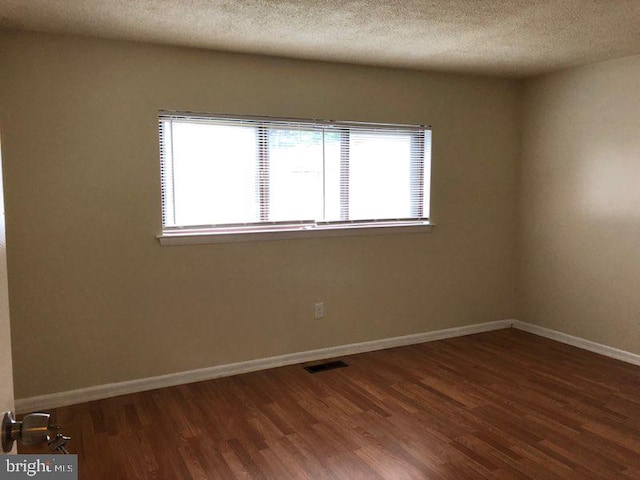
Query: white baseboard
x,y
72,397
578,342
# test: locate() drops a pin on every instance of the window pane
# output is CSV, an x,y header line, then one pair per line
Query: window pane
x,y
379,176
295,175
239,173
214,174
332,176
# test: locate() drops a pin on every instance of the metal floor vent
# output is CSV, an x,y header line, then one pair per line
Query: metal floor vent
x,y
325,366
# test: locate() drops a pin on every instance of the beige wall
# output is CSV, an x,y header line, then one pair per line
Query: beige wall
x,y
580,203
95,299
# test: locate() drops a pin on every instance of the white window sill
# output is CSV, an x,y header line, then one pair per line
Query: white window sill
x,y
206,237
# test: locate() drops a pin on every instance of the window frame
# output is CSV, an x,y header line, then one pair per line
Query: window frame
x,y
274,230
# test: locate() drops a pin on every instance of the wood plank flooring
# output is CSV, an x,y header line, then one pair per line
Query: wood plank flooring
x,y
498,405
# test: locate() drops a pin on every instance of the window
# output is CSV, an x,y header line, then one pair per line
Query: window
x,y
243,175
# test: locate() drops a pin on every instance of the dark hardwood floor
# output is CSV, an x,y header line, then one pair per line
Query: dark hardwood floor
x,y
498,405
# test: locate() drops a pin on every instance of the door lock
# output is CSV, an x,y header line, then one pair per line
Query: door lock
x,y
34,429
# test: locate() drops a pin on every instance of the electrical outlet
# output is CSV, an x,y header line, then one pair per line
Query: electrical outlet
x,y
319,310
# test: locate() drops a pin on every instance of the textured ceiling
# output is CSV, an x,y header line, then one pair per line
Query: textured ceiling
x,y
500,37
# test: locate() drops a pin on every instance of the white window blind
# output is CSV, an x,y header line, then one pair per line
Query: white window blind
x,y
224,174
